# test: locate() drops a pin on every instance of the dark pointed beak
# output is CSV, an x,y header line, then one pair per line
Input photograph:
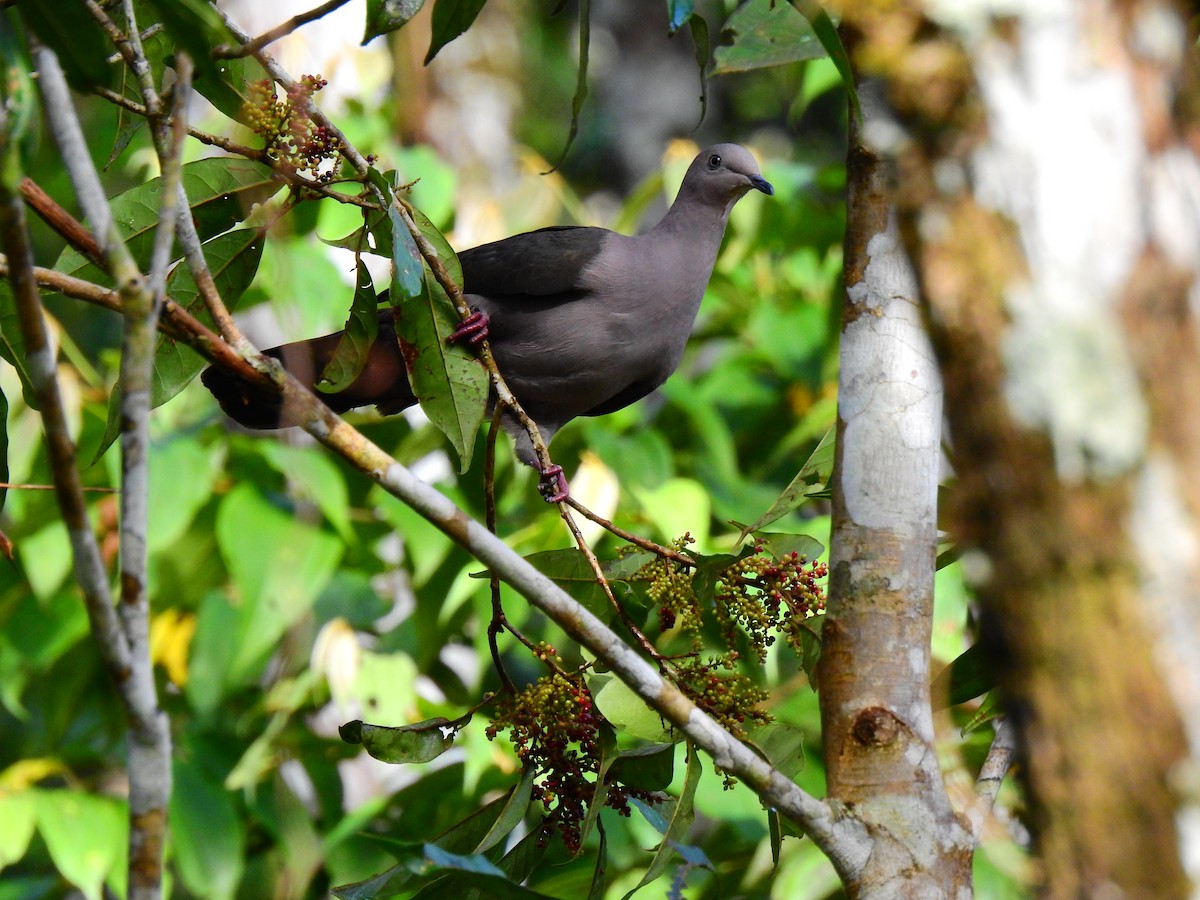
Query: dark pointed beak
x,y
761,184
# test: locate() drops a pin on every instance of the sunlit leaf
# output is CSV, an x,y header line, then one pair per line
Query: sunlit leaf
x,y
513,812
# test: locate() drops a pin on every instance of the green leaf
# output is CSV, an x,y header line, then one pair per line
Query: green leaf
x,y
809,482
21,106
445,252
449,382
765,34
971,675
85,834
359,334
513,812
988,710
810,648
233,259
781,546
678,14
450,19
581,86
197,27
417,743
315,476
678,823
75,37
648,768
278,574
181,483
388,15
782,745
18,813
221,192
827,34
480,873
208,835
408,276
627,711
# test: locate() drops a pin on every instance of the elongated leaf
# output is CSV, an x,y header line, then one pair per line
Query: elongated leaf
x,y
678,823
388,15
782,745
74,35
417,743
581,87
221,193
628,712
827,34
596,892
765,34
450,19
970,675
809,482
513,812
449,382
362,327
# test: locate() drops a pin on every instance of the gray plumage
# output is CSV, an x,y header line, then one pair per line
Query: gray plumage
x,y
582,321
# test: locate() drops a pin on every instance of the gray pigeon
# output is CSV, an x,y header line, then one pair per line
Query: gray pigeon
x,y
582,321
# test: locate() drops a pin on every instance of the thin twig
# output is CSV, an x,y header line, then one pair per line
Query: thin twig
x,y
637,540
499,621
282,30
9,486
213,140
991,774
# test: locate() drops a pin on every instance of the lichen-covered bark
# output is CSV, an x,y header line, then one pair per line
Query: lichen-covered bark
x,y
1028,199
874,670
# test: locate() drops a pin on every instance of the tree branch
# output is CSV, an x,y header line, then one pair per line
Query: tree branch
x,y
148,739
991,775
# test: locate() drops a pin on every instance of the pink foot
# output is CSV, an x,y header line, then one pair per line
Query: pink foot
x,y
553,486
473,329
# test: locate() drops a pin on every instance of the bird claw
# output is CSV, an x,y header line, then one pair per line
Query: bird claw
x,y
553,485
473,329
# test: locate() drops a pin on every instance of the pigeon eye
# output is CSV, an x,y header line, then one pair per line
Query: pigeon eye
x,y
714,162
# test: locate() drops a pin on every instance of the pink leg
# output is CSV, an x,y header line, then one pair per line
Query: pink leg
x,y
553,486
473,329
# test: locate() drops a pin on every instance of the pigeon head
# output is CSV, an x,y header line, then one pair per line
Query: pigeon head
x,y
723,173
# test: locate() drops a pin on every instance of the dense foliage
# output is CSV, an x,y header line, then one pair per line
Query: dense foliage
x,y
299,610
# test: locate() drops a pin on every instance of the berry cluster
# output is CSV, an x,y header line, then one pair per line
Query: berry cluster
x,y
753,601
555,728
760,595
288,134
